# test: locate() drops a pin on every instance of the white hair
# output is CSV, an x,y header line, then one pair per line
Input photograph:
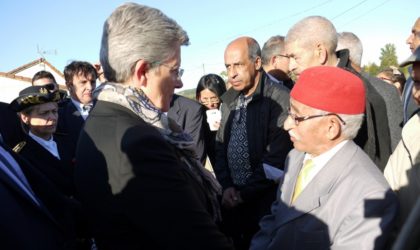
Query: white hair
x,y
135,32
312,30
348,40
351,126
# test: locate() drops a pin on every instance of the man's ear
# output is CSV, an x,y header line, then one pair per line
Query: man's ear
x,y
322,54
258,63
141,71
334,128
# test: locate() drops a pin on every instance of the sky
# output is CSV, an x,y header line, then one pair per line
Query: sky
x,y
63,31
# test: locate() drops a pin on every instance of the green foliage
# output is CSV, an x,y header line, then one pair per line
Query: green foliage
x,y
189,93
388,56
372,69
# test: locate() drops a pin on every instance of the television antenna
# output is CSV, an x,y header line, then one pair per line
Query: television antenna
x,y
43,52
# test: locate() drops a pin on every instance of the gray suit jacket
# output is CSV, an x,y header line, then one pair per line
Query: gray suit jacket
x,y
348,205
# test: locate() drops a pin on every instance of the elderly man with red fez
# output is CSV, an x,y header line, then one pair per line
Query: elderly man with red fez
x,y
332,196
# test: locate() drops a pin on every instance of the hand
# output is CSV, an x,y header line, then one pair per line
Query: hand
x,y
99,72
230,198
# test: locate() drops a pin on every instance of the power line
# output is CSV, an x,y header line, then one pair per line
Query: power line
x,y
349,9
365,13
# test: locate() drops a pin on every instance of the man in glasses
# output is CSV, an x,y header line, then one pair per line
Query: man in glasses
x,y
275,62
250,140
313,42
332,196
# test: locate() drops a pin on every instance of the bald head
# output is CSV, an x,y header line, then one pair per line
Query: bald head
x,y
313,30
248,43
243,64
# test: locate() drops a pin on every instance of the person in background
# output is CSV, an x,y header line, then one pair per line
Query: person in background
x,y
37,107
332,195
393,104
136,170
402,170
209,89
275,61
250,140
80,81
409,105
393,76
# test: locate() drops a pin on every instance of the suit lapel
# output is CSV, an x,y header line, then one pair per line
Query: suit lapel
x,y
317,191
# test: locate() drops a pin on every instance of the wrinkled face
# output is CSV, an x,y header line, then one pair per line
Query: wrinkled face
x,y
414,39
282,63
300,58
209,99
81,88
51,85
307,136
241,70
162,81
42,120
416,80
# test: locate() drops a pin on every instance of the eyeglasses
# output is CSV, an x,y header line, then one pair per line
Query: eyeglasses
x,y
299,119
178,72
280,55
211,100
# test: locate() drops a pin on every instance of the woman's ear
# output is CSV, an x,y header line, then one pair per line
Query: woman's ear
x,y
140,73
24,118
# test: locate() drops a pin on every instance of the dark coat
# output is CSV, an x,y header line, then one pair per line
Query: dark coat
x,y
58,171
24,224
190,115
10,127
268,142
70,123
374,135
137,194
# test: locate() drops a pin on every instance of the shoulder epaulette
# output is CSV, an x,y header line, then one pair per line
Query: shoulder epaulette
x,y
19,146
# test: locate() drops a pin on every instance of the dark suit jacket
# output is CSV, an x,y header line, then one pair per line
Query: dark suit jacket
x,y
24,224
70,123
190,115
136,193
58,171
10,127
348,205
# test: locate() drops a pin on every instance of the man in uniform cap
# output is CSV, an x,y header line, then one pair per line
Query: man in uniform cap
x,y
333,195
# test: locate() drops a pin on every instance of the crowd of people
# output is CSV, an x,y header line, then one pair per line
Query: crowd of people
x,y
299,149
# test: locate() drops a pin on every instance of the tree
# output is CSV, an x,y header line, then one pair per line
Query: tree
x,y
371,68
388,56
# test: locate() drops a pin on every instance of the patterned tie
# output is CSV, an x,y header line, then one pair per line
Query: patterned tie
x,y
303,174
87,107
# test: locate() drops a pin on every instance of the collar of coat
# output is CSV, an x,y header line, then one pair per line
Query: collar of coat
x,y
231,95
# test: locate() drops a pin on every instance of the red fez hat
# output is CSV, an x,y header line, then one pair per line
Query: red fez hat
x,y
330,89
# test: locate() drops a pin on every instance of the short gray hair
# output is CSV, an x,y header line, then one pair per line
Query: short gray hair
x,y
312,30
254,49
348,40
135,32
351,126
273,46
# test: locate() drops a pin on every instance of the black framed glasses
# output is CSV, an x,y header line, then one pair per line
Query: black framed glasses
x,y
299,119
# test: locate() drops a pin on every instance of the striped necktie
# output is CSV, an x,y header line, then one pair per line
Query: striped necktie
x,y
300,182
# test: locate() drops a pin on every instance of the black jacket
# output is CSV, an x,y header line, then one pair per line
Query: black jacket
x,y
136,193
374,136
268,142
